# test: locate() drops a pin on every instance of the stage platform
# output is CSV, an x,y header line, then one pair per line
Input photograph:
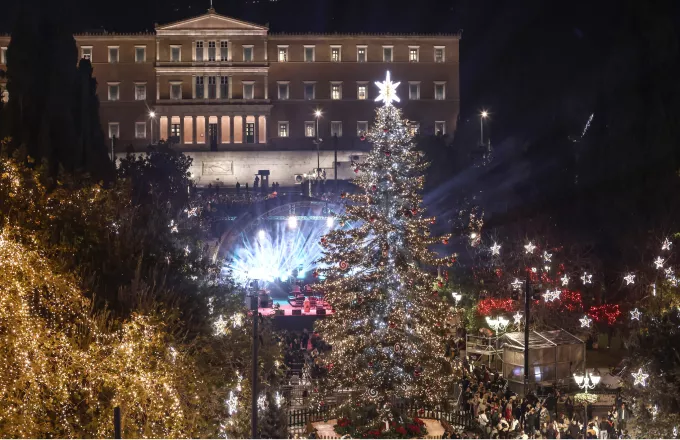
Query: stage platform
x,y
287,310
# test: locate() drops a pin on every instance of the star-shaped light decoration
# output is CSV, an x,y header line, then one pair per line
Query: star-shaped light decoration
x,y
518,318
640,378
388,90
585,321
517,284
529,248
173,227
552,295
547,257
191,212
565,280
659,262
669,273
220,325
666,245
587,278
630,279
495,249
635,314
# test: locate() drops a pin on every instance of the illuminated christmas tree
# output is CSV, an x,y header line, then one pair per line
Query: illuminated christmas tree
x,y
387,333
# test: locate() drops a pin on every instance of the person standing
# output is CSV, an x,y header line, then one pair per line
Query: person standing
x,y
238,188
622,417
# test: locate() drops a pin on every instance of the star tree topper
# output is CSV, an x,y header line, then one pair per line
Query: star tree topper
x,y
388,90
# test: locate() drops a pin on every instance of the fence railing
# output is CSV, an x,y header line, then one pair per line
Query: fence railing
x,y
298,419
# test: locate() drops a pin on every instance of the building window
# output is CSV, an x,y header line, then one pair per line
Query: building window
x,y
413,54
414,128
140,92
362,128
361,54
3,55
336,90
283,90
283,54
114,91
199,51
224,50
113,54
413,91
176,91
362,91
310,129
175,130
283,129
309,53
114,130
140,130
387,54
140,54
224,87
336,128
336,54
212,87
439,128
440,91
212,50
439,54
200,89
248,90
310,90
175,54
86,52
248,53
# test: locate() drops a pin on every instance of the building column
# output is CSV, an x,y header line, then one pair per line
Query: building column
x,y
206,123
266,87
257,127
205,87
243,129
158,87
218,83
193,86
158,51
231,129
230,50
194,131
181,130
265,50
219,130
230,83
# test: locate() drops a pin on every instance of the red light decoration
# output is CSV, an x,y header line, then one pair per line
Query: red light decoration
x,y
490,306
606,312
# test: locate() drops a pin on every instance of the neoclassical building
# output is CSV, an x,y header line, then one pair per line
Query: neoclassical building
x,y
240,100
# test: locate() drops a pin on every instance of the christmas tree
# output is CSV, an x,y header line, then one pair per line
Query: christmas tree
x,y
387,333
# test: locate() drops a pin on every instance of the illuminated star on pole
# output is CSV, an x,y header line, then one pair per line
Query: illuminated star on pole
x,y
518,318
635,314
565,280
659,262
587,278
529,248
630,279
388,90
585,321
640,378
666,245
495,249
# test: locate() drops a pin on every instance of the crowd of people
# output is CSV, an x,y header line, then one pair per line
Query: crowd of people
x,y
501,413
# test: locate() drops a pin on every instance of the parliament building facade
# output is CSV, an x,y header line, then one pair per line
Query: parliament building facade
x,y
239,99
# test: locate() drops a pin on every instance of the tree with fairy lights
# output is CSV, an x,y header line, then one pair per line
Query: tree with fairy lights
x,y
387,333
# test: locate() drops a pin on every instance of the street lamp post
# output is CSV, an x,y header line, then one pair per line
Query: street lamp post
x,y
317,115
152,115
482,116
586,382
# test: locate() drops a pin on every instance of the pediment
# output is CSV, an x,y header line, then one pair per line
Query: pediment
x,y
210,21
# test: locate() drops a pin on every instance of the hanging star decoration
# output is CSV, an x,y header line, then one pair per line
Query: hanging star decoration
x,y
495,249
659,262
585,321
635,314
193,212
552,295
547,257
587,278
173,227
630,279
518,318
529,248
516,284
565,280
388,90
640,378
666,245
